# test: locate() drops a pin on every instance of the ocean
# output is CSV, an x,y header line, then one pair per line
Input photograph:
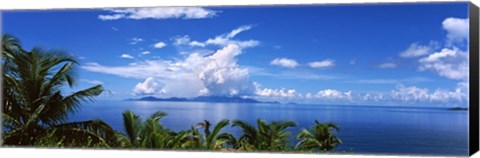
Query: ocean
x,y
363,129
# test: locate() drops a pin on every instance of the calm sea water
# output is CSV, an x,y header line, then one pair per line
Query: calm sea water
x,y
363,129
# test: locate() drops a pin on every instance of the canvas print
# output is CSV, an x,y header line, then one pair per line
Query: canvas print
x,y
319,79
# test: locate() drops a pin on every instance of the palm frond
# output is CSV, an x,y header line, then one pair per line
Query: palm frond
x,y
216,131
131,125
77,133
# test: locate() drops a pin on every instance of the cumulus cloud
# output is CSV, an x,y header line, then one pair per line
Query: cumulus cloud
x,y
284,62
415,94
375,97
159,45
223,76
388,65
217,74
331,94
147,87
158,13
126,56
275,93
322,64
416,50
457,29
449,63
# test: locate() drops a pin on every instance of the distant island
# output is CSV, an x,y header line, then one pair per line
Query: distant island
x,y
208,99
458,109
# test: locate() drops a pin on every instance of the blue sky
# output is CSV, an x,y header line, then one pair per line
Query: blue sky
x,y
397,54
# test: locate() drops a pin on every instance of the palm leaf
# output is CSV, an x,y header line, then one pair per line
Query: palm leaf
x,y
216,131
131,125
77,133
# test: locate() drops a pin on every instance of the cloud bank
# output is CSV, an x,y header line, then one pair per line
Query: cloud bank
x,y
218,73
195,75
158,13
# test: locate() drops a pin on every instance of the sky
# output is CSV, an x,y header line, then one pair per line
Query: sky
x,y
370,54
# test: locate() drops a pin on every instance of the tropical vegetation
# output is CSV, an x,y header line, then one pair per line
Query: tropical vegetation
x,y
35,110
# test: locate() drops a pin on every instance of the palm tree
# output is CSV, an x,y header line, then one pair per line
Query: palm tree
x,y
154,135
212,140
132,126
267,136
323,137
149,134
33,104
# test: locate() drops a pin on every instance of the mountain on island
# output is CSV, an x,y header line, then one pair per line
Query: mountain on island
x,y
458,109
208,99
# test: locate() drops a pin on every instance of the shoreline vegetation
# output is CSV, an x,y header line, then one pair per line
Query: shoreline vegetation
x,y
35,113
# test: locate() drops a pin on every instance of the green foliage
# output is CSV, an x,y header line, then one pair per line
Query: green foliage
x,y
34,108
267,136
322,138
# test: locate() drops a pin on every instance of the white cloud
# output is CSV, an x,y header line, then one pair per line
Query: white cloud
x,y
145,52
181,40
449,63
416,50
114,29
331,94
457,29
322,64
147,87
159,13
284,62
126,56
91,81
196,44
236,31
376,97
275,93
222,75
159,45
388,65
135,40
410,94
225,39
216,74
111,17
415,94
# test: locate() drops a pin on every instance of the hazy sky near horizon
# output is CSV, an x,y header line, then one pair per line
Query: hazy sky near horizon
x,y
382,54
